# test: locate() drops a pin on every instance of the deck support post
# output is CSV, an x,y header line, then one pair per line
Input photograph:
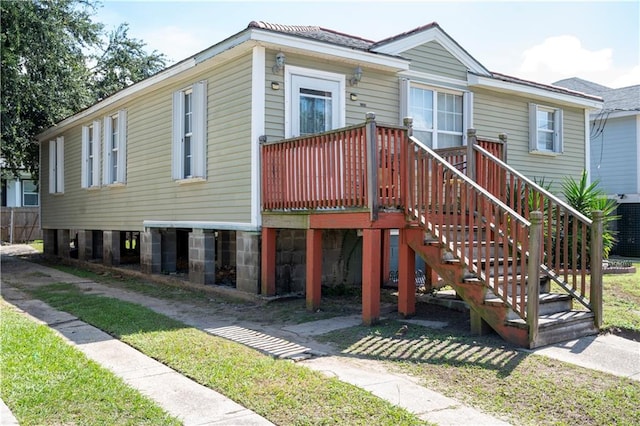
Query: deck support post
x,y
372,165
533,275
595,296
314,268
371,275
386,255
268,269
406,276
479,327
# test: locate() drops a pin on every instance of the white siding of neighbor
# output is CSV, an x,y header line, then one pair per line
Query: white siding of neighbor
x,y
614,156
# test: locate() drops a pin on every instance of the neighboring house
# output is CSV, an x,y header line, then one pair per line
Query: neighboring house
x,y
167,173
615,155
20,208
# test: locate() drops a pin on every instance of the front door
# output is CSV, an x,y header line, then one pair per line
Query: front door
x,y
316,105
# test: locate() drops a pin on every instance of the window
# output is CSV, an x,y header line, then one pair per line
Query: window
x,y
30,197
438,119
190,132
56,166
545,129
91,155
115,148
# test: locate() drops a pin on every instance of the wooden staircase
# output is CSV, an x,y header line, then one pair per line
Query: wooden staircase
x,y
557,320
526,263
502,259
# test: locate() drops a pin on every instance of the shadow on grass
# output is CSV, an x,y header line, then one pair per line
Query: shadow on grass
x,y
424,345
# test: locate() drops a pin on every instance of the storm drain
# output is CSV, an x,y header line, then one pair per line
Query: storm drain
x,y
270,345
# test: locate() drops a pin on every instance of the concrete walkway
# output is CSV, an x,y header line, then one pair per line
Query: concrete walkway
x,y
181,397
606,353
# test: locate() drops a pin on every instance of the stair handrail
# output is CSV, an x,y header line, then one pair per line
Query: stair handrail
x,y
471,182
530,182
560,265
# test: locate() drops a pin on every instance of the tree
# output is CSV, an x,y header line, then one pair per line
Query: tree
x,y
123,63
45,50
44,76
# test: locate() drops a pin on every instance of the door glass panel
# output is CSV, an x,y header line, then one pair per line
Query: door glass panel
x,y
315,111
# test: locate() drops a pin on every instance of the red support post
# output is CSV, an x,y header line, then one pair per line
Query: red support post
x,y
386,255
371,275
314,268
406,276
268,258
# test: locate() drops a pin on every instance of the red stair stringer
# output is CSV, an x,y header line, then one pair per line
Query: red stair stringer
x,y
472,292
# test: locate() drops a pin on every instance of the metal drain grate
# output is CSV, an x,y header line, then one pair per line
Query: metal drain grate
x,y
270,345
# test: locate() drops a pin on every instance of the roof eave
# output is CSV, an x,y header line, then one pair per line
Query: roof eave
x,y
533,92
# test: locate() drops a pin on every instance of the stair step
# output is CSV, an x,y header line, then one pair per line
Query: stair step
x,y
555,320
549,303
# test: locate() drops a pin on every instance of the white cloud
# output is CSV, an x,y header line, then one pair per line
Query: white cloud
x,y
565,55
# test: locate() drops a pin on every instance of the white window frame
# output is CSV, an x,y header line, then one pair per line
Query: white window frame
x,y
198,145
534,143
56,166
289,109
467,109
90,168
24,193
117,155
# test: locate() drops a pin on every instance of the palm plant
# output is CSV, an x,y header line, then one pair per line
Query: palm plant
x,y
587,198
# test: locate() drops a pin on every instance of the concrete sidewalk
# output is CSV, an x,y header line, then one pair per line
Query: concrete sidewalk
x,y
181,397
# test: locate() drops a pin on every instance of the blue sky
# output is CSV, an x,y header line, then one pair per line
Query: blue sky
x,y
539,40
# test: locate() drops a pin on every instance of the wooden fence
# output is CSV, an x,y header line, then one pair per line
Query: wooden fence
x,y
20,224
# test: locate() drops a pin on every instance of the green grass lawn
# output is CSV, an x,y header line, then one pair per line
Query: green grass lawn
x,y
46,381
621,302
281,391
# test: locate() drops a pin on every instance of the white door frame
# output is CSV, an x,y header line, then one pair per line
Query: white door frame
x,y
290,72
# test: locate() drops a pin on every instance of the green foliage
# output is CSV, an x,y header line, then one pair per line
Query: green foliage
x,y
123,63
45,48
44,77
587,198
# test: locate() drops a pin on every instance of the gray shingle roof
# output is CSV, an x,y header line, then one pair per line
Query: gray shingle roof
x,y
316,33
625,98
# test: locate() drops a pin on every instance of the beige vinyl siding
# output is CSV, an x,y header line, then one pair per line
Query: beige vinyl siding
x,y
432,58
377,92
496,113
150,192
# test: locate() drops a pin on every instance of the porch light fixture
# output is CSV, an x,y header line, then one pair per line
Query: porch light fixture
x,y
279,65
275,85
353,96
357,76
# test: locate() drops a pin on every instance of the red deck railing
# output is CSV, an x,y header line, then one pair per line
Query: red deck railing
x,y
334,169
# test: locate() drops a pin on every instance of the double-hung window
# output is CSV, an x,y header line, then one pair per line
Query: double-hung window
x,y
189,132
438,116
30,197
90,155
545,129
56,166
115,148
